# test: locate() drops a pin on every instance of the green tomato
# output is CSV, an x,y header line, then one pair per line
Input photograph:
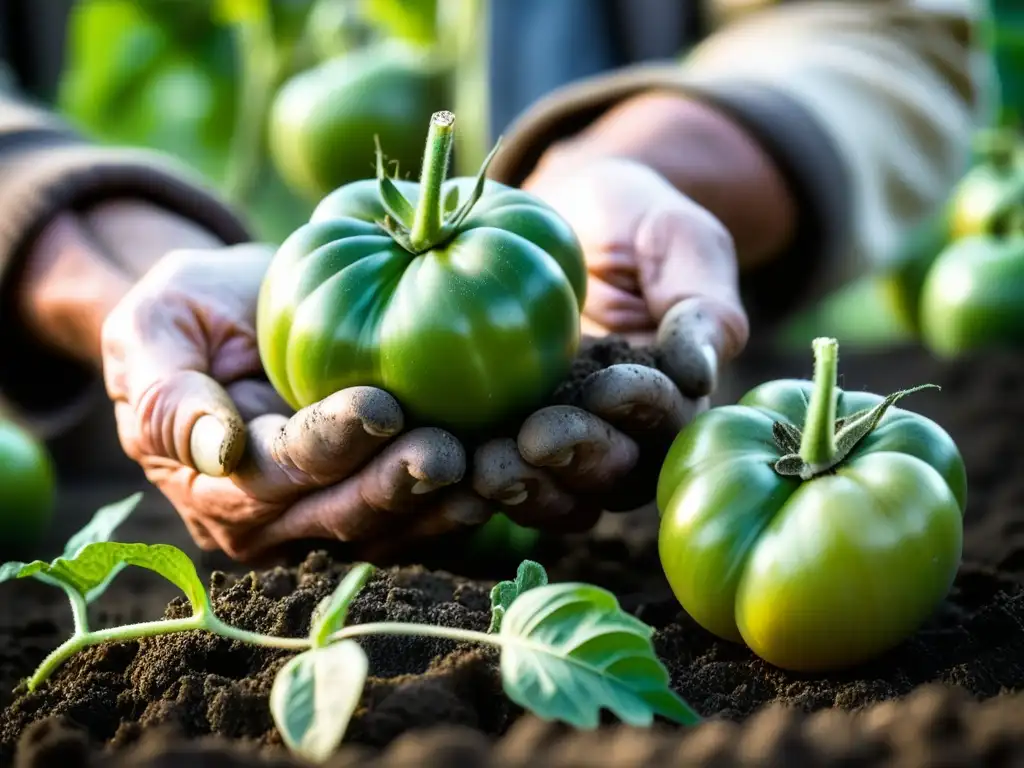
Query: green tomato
x,y
468,318
27,488
817,548
972,297
993,185
323,121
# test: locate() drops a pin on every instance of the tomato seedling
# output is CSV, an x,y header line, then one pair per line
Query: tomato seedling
x,y
462,298
816,525
567,650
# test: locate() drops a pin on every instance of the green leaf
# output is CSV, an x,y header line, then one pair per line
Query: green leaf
x,y
240,11
393,201
569,650
103,524
101,528
414,21
529,575
11,570
332,611
462,213
93,565
314,696
451,200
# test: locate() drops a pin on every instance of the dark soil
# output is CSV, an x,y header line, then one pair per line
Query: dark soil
x,y
945,697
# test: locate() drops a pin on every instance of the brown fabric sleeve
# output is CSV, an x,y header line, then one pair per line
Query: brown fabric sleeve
x,y
866,108
45,168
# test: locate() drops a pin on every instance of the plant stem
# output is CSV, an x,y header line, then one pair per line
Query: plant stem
x,y
212,624
818,444
260,67
419,630
79,608
426,225
204,620
70,647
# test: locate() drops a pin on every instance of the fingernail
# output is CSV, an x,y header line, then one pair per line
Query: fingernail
x,y
424,486
377,430
514,494
562,458
208,444
467,513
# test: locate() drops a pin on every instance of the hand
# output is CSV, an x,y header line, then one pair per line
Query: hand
x,y
182,366
662,271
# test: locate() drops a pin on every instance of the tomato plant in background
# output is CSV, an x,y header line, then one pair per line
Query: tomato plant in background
x,y
460,297
816,525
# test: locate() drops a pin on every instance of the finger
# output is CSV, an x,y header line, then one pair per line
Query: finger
x,y
636,399
454,511
188,419
689,339
581,450
527,494
401,479
253,398
319,445
615,308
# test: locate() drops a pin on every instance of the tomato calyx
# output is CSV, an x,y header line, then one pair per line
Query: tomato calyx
x,y
434,221
825,440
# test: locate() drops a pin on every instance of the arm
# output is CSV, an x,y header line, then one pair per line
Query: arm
x,y
58,277
818,133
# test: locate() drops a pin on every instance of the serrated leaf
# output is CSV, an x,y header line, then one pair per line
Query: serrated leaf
x,y
314,696
569,651
529,575
103,524
93,565
332,611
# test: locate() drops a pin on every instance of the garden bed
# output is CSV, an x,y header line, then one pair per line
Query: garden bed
x,y
943,697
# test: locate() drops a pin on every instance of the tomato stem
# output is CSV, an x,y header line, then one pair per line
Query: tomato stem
x,y
818,443
428,219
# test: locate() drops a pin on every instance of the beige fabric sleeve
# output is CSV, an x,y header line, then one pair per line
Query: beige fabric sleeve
x,y
867,107
46,167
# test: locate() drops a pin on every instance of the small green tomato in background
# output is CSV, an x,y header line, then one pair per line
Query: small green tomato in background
x,y
973,297
461,298
27,489
993,185
324,121
820,527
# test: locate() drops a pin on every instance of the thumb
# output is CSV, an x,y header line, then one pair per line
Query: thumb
x,y
155,362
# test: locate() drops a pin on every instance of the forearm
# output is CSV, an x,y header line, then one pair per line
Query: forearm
x,y
68,288
81,265
58,276
705,155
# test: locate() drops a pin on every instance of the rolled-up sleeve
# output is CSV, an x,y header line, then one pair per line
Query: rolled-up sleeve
x,y
47,167
867,110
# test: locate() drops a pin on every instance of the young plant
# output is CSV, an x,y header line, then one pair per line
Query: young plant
x,y
567,650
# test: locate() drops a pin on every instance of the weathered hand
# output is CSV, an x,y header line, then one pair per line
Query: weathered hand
x,y
246,474
662,271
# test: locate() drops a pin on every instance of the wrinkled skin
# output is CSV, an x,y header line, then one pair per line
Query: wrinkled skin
x,y
181,346
818,574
